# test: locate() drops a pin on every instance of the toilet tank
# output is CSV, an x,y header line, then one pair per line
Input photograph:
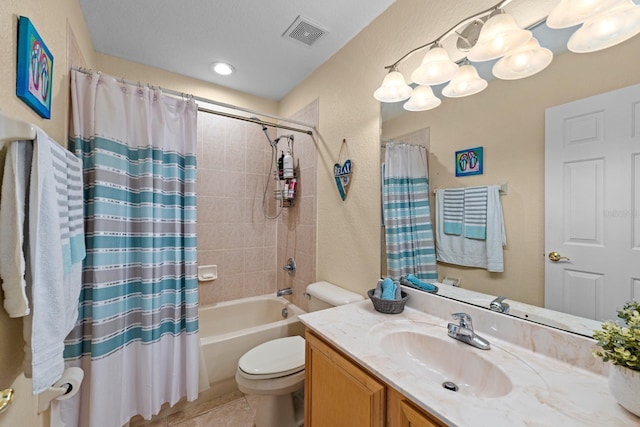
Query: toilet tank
x,y
326,295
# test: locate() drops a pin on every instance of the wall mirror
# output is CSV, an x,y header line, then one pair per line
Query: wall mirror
x,y
508,120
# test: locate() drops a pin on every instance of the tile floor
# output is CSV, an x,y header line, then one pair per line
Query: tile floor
x,y
231,410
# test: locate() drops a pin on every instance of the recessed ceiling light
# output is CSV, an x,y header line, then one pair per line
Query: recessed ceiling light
x,y
221,68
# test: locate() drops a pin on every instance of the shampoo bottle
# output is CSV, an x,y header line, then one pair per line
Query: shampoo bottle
x,y
281,165
288,165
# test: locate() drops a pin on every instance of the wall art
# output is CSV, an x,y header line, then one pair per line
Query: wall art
x,y
469,162
35,69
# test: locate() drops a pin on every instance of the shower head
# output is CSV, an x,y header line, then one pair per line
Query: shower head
x,y
264,127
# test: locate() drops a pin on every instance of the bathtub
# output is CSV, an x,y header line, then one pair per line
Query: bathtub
x,y
231,328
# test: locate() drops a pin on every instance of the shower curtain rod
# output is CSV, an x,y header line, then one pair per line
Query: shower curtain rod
x,y
391,141
221,104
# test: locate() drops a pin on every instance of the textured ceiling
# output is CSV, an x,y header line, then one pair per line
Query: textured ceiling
x,y
186,36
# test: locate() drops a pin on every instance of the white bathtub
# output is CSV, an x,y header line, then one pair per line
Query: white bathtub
x,y
230,329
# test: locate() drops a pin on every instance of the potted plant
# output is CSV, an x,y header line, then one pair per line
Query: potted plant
x,y
620,345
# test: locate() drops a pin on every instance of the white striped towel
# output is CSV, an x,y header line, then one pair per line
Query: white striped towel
x,y
453,209
55,285
475,212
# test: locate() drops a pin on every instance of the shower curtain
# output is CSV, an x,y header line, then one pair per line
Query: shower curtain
x,y
137,333
406,213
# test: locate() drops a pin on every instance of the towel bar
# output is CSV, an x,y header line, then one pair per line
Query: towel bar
x,y
504,187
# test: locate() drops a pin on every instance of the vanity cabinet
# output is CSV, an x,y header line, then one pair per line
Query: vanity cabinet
x,y
340,393
402,413
337,392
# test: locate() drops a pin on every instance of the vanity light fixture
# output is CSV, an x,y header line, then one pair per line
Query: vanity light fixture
x,y
573,12
222,68
499,35
467,82
492,34
394,88
607,28
524,61
436,68
422,99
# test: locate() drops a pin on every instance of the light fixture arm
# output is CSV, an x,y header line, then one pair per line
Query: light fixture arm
x,y
450,31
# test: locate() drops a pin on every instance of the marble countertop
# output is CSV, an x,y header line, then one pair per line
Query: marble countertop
x,y
547,389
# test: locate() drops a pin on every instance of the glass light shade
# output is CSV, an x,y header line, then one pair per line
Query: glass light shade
x,y
393,89
522,62
499,35
422,99
573,12
607,29
436,68
466,82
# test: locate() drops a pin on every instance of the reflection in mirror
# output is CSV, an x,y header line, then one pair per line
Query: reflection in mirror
x,y
508,120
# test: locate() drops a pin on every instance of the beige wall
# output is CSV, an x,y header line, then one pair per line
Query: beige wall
x,y
507,119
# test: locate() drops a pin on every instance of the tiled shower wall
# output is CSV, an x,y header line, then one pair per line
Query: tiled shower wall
x,y
297,225
233,163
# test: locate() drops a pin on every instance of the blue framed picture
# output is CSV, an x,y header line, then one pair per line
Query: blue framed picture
x,y
469,162
35,69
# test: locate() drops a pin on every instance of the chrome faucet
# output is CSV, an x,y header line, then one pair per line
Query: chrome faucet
x,y
463,331
500,306
285,291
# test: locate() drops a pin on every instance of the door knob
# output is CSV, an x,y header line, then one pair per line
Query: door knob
x,y
555,257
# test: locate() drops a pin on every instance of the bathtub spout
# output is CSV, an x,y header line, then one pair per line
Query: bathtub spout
x,y
285,291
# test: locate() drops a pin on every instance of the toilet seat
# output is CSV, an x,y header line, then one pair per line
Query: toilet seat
x,y
273,359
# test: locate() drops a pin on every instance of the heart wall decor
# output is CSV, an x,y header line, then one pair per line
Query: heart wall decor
x,y
342,172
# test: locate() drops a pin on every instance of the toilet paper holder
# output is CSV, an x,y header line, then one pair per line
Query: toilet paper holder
x,y
64,388
52,393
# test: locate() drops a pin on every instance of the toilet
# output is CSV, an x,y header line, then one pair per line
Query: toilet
x,y
274,370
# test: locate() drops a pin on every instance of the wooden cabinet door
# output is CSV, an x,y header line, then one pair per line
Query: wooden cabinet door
x,y
338,393
402,413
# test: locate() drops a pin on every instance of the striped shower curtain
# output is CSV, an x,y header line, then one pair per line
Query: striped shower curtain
x,y
137,333
406,213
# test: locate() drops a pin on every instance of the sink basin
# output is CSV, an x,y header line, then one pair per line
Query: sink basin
x,y
444,360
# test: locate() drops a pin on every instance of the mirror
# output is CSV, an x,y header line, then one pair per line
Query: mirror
x,y
508,120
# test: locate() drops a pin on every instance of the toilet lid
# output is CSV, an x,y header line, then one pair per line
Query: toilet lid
x,y
273,359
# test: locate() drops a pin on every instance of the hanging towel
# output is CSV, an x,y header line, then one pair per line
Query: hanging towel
x,y
55,273
475,212
453,210
13,200
460,250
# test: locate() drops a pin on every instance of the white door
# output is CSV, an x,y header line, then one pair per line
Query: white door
x,y
592,204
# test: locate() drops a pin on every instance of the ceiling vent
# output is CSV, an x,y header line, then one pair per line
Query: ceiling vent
x,y
304,31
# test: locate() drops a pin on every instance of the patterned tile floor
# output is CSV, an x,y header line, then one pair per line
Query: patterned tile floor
x,y
231,410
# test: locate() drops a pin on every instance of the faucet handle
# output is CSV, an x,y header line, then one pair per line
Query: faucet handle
x,y
465,320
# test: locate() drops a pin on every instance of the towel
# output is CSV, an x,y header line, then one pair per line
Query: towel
x,y
13,201
453,210
459,250
389,289
413,282
378,292
55,273
475,212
